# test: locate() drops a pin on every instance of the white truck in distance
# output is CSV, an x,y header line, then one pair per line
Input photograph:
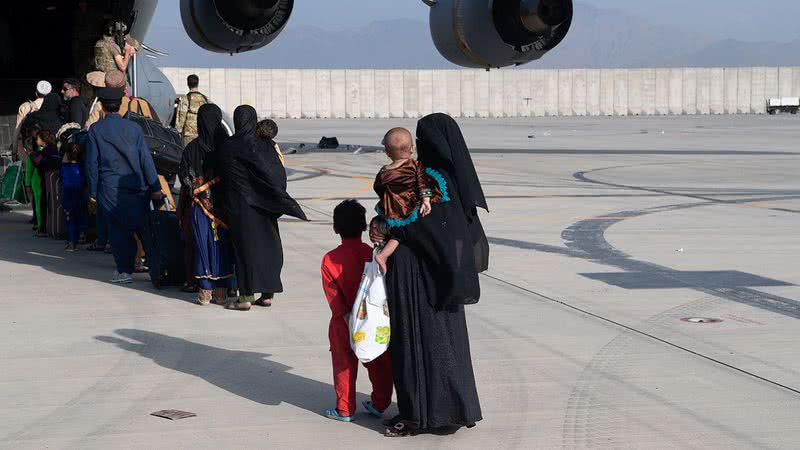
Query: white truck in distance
x,y
783,104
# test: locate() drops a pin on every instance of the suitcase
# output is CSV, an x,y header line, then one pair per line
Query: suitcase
x,y
56,219
163,247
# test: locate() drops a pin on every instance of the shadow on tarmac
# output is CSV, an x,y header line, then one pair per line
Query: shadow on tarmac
x,y
248,375
18,246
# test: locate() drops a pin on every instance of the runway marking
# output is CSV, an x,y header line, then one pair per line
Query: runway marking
x,y
365,187
45,255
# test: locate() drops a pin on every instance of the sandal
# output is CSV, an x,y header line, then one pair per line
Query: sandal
x,y
265,300
204,297
393,421
94,247
220,296
243,304
398,430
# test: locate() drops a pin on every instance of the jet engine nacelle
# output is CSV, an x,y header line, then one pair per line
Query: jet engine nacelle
x,y
498,33
234,26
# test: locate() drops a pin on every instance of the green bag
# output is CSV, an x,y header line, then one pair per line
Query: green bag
x,y
13,184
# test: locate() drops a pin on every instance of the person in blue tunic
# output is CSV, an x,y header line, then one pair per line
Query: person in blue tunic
x,y
122,178
212,259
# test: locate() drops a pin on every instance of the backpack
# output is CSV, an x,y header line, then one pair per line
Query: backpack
x,y
189,110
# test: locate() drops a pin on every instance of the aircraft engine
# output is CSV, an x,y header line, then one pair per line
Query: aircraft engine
x,y
234,26
498,33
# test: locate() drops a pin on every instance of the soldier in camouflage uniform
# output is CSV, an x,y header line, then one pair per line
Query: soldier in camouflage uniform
x,y
107,54
186,110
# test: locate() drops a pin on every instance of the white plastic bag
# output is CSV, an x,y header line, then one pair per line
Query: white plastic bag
x,y
369,319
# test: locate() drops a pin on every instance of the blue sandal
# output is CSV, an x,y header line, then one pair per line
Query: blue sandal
x,y
333,413
371,408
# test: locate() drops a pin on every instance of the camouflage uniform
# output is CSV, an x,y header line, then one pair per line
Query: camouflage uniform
x,y
104,52
186,116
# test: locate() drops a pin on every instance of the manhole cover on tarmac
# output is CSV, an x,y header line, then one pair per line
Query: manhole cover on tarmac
x,y
701,320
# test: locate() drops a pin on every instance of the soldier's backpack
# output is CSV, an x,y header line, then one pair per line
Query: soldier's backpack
x,y
192,113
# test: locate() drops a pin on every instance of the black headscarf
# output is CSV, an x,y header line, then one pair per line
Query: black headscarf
x,y
253,170
48,117
440,145
198,154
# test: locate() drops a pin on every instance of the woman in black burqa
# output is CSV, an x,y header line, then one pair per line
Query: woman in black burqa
x,y
254,196
432,366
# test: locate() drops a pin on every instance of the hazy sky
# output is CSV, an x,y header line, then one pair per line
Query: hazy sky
x,y
746,20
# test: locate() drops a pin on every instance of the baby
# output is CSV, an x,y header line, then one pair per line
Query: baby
x,y
405,188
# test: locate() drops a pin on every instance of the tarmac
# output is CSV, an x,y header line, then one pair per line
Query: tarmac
x,y
642,293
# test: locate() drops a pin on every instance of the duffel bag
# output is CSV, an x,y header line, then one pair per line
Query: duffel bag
x,y
165,144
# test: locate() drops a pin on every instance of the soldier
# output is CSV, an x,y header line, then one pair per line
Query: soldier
x,y
187,107
107,53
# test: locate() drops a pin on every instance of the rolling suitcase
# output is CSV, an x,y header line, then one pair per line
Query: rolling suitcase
x,y
163,247
56,219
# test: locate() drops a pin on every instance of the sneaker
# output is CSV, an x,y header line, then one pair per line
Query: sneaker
x,y
121,278
333,413
72,247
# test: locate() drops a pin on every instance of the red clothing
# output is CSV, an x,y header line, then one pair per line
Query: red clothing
x,y
342,269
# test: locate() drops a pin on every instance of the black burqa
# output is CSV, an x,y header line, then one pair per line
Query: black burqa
x,y
48,117
197,158
441,145
431,361
253,196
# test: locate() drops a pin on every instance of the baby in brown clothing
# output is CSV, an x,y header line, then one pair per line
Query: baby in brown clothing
x,y
406,190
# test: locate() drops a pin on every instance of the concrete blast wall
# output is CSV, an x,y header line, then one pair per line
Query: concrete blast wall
x,y
383,94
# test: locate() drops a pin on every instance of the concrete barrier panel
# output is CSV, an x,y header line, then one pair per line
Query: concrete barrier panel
x,y
367,90
468,93
294,94
785,81
439,91
396,92
249,93
593,92
689,91
538,93
758,88
510,95
795,82
410,94
454,93
496,93
662,91
635,82
264,93
579,89
551,92
565,92
338,94
771,82
731,76
308,94
703,91
482,93
353,94
744,89
278,94
233,88
676,91
648,92
382,94
607,86
717,91
523,93
425,80
216,88
621,92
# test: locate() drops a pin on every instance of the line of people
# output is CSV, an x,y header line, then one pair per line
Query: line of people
x,y
427,233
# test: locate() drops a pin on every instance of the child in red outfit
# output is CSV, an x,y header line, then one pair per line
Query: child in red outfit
x,y
342,269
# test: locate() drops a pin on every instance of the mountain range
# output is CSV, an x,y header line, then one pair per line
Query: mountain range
x,y
599,38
